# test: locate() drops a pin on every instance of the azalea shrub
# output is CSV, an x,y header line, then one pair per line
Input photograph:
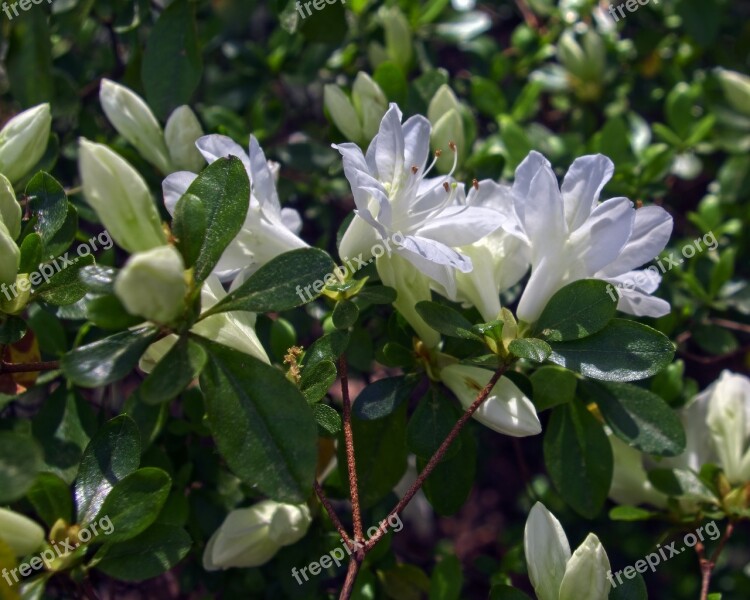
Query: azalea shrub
x,y
442,299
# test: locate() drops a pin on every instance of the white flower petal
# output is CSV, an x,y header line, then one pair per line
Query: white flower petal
x,y
291,220
174,187
582,185
389,153
602,237
547,552
461,225
216,146
586,572
543,214
416,142
262,180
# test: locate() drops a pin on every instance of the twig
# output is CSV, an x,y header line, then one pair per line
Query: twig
x,y
351,577
332,513
708,564
33,367
349,443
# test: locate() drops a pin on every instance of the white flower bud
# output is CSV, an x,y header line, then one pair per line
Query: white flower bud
x,y
547,552
586,572
181,132
506,410
152,285
23,141
10,209
630,484
342,112
120,197
370,102
134,121
250,537
729,424
736,88
10,256
22,535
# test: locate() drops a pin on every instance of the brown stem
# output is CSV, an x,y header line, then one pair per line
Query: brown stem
x,y
349,443
351,577
332,513
32,367
708,564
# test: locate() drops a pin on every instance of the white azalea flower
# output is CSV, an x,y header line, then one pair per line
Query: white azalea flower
x,y
269,230
572,236
553,571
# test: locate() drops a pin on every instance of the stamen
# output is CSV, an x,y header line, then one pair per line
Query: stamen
x,y
475,184
414,169
452,146
438,153
446,186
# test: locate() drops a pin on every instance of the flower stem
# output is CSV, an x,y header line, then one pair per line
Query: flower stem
x,y
708,564
33,367
349,443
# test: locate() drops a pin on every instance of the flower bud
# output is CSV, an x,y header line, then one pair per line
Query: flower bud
x,y
10,209
152,285
342,112
181,132
250,537
23,141
20,533
547,552
398,42
120,197
506,410
444,112
134,121
370,102
10,256
728,421
586,572
736,88
630,483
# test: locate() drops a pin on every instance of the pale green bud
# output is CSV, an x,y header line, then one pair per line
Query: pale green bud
x,y
10,209
586,572
442,102
444,112
547,552
134,121
630,483
250,537
341,110
398,42
181,132
736,88
370,102
152,285
22,535
10,257
120,197
23,141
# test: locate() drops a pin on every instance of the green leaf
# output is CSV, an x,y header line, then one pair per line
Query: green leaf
x,y
329,347
578,456
135,502
375,294
108,360
181,365
382,397
12,329
506,592
113,454
622,351
681,482
20,461
430,424
98,279
530,348
629,589
155,551
32,250
50,497
446,320
345,314
30,51
107,312
65,287
172,62
280,284
189,228
576,311
552,386
639,417
317,379
262,424
328,420
60,242
49,204
447,579
224,189
631,513
392,81
150,418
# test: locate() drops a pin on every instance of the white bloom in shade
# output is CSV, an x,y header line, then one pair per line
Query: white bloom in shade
x,y
506,410
152,285
10,257
23,141
728,421
120,197
630,484
10,209
22,535
181,132
554,573
269,230
572,236
235,329
250,537
394,199
134,121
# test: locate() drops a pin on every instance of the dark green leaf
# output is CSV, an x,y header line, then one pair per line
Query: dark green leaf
x,y
622,351
172,62
189,227
135,502
447,579
98,279
430,425
281,284
578,456
20,461
32,250
317,379
50,497
65,286
12,329
30,52
48,203
530,348
382,397
552,386
108,312
113,454
328,420
60,242
576,311
345,314
680,482
181,365
446,320
375,294
107,360
329,347
629,589
506,592
262,424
